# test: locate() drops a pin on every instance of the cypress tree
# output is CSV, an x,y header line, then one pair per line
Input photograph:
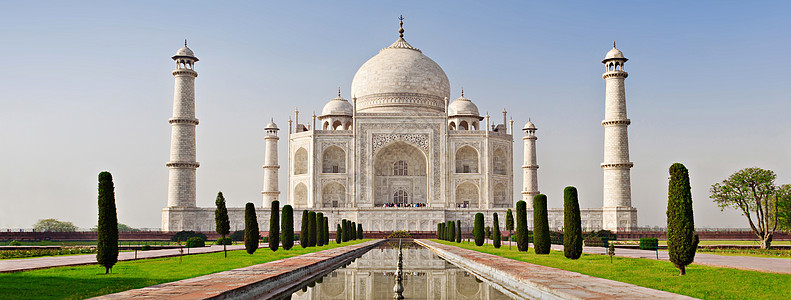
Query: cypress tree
x,y
359,231
319,229
509,225
496,232
251,234
458,231
541,238
107,230
354,231
477,230
223,225
487,233
288,227
572,224
682,242
439,231
303,233
345,231
521,225
326,231
312,226
338,234
452,232
274,226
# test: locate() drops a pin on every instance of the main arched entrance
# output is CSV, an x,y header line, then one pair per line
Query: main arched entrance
x,y
400,175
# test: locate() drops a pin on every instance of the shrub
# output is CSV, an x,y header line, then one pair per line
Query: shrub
x,y
681,238
303,234
458,231
521,226
496,232
222,241
186,235
359,231
145,248
649,243
251,233
107,235
237,236
312,227
287,227
399,234
572,224
195,242
15,243
606,234
541,239
274,226
319,229
596,241
556,237
477,230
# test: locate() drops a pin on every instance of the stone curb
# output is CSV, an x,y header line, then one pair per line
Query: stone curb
x,y
534,281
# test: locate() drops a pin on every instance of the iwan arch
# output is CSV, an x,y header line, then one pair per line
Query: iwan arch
x,y
400,155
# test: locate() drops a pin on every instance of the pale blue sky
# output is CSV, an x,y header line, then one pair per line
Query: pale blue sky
x,y
86,86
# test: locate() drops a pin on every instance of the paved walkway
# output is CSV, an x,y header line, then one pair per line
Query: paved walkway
x,y
540,282
261,281
23,264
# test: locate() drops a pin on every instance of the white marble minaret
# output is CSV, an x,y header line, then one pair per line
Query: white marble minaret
x,y
618,213
182,164
530,166
271,190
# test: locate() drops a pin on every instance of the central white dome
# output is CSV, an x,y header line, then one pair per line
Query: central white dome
x,y
400,79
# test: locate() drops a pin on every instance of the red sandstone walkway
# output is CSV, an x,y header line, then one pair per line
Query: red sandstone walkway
x,y
22,264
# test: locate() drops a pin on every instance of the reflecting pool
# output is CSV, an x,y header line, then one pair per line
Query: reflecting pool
x,y
425,276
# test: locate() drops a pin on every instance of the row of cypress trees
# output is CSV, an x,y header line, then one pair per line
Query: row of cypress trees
x,y
347,231
279,233
315,229
449,231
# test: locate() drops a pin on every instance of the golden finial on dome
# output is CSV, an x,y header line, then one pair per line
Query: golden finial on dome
x,y
339,92
462,92
613,44
401,24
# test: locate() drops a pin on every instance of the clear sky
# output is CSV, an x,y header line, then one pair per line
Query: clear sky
x,y
86,86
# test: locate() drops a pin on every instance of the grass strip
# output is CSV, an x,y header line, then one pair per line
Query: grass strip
x,y
79,282
703,282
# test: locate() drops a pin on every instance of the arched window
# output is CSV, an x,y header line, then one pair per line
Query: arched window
x,y
466,160
337,125
400,168
452,126
463,125
333,160
301,195
401,196
348,125
500,162
301,162
326,125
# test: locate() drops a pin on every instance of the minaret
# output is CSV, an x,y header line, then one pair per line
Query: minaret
x,y
530,166
182,164
271,191
616,165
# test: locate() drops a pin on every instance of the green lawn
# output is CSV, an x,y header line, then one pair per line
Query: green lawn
x,y
701,281
79,282
732,242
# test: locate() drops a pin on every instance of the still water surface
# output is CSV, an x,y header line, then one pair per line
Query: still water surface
x,y
426,276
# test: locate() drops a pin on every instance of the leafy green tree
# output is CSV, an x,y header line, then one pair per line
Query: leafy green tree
x,y
251,233
319,229
477,230
304,234
312,228
509,225
53,225
287,227
753,192
274,226
541,239
107,235
223,225
521,225
783,208
338,234
458,231
682,242
496,236
359,231
572,224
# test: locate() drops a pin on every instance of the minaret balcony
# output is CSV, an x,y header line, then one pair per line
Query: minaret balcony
x,y
622,122
192,121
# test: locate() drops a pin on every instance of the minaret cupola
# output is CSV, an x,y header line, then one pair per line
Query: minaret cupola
x,y
337,114
614,62
185,58
463,114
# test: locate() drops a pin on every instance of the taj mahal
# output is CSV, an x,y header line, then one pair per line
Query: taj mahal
x,y
399,154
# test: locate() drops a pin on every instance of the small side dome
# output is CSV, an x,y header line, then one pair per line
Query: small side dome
x,y
271,126
338,107
614,53
529,125
463,107
184,51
